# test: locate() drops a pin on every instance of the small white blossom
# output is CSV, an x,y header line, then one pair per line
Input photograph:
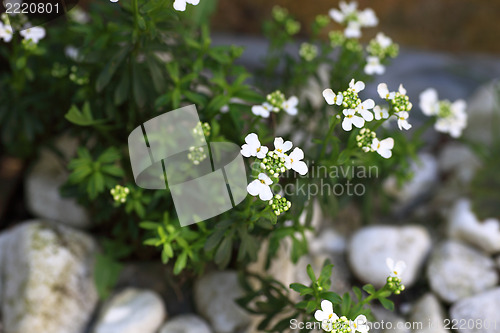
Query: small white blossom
x,y
357,86
383,40
252,147
351,119
281,146
33,34
263,110
454,123
353,19
373,66
396,269
380,113
180,5
326,315
261,187
384,147
403,120
113,0
294,161
384,93
360,324
363,108
429,102
402,89
290,105
332,98
6,32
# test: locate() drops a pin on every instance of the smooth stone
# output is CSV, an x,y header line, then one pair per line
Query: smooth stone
x,y
188,323
131,311
460,161
428,313
371,246
388,322
42,185
47,279
214,295
464,225
456,271
477,314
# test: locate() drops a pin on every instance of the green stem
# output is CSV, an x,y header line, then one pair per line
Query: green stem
x,y
327,137
373,296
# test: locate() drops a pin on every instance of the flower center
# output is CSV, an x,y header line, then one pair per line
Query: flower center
x,y
258,149
396,273
262,181
280,150
349,116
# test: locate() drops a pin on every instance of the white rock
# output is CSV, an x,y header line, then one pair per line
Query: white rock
x,y
42,189
463,225
328,241
131,311
477,314
186,324
369,248
460,161
214,296
456,271
388,322
425,175
48,283
428,313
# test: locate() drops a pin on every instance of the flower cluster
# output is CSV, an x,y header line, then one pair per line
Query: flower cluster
x,y
180,5
196,155
353,19
379,49
356,112
120,193
202,131
276,102
331,322
272,165
368,142
280,14
399,102
450,117
394,279
308,51
31,35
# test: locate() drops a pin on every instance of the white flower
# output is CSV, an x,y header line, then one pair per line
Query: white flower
x,y
373,66
293,161
351,119
380,113
224,109
429,103
346,10
383,147
356,86
113,0
72,52
401,89
79,15
360,324
363,108
326,315
403,120
180,5
290,105
33,34
367,18
261,187
384,93
396,269
353,30
281,147
383,40
353,19
454,123
262,110
252,147
332,98
6,32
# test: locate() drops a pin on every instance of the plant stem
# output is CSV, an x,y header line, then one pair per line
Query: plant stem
x,y
327,137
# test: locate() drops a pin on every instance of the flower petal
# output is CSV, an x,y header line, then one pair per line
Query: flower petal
x,y
347,124
329,96
265,193
254,187
358,121
300,167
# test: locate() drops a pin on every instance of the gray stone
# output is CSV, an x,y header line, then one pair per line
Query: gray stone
x,y
371,246
47,279
131,311
463,225
388,322
456,271
42,189
428,313
477,314
215,295
186,324
460,161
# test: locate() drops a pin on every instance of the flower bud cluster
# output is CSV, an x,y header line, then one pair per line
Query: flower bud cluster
x,y
350,98
120,193
395,285
375,48
279,204
342,325
337,38
308,52
401,102
276,99
365,139
273,164
196,155
202,131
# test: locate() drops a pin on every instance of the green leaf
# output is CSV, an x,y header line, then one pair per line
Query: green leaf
x,y
180,263
331,296
310,273
123,89
110,68
223,254
149,225
156,75
370,289
298,287
388,304
346,303
358,293
82,118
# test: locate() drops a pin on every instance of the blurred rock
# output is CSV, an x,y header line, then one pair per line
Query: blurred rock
x,y
47,279
460,161
429,312
215,295
456,271
463,225
392,323
477,314
481,108
328,241
42,188
188,323
369,248
131,311
425,176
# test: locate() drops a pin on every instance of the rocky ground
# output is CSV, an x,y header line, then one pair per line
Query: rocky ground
x,y
453,258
